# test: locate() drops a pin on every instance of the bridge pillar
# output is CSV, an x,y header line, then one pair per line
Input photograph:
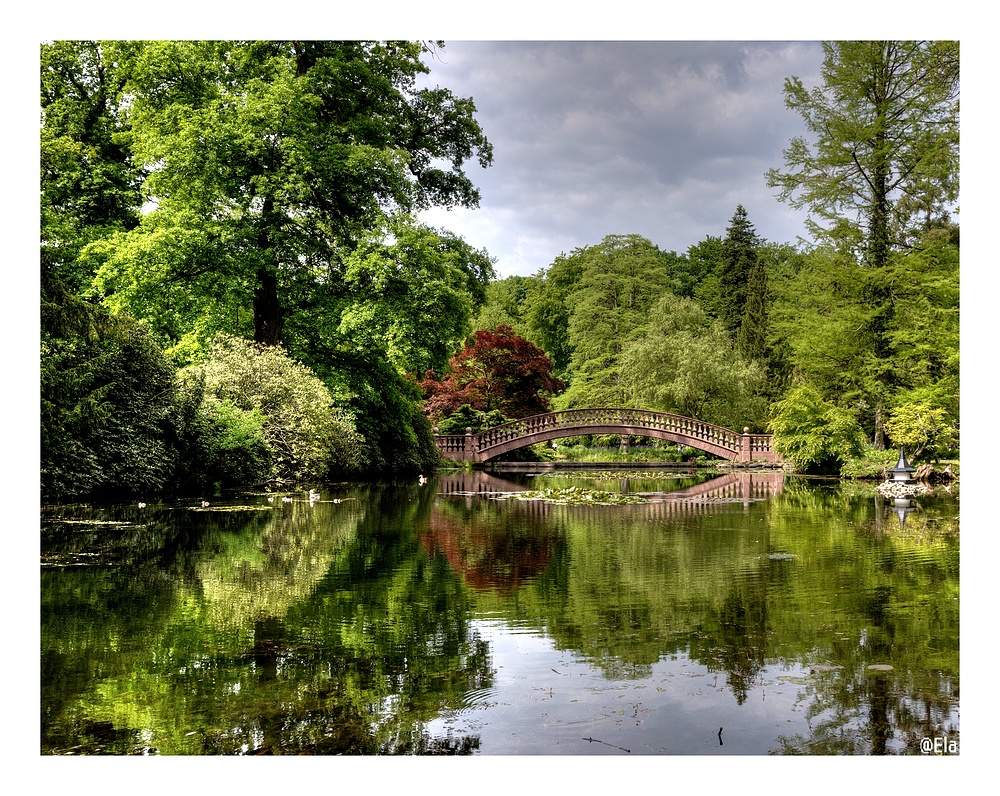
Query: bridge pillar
x,y
745,454
469,456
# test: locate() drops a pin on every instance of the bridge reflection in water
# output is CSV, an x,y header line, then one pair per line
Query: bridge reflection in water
x,y
496,550
740,485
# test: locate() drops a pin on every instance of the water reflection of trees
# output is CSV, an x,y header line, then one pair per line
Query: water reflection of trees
x,y
345,628
491,548
816,577
907,612
872,712
319,629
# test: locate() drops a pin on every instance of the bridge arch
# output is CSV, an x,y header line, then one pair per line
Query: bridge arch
x,y
493,442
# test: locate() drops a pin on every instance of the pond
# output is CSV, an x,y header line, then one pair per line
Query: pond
x,y
725,614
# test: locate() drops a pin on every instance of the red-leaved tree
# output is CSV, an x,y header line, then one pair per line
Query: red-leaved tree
x,y
498,370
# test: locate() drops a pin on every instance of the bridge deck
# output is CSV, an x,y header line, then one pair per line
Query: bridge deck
x,y
493,442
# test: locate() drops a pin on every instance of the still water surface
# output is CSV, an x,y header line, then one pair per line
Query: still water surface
x,y
751,615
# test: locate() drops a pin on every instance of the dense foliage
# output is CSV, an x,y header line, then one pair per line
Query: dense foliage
x,y
497,371
263,190
247,386
879,174
267,159
685,363
110,414
266,191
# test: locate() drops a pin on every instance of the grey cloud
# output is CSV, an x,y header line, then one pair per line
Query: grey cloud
x,y
591,138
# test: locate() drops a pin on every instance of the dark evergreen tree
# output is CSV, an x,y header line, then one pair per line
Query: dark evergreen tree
x,y
108,408
739,258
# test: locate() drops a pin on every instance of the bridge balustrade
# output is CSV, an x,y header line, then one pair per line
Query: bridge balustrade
x,y
721,441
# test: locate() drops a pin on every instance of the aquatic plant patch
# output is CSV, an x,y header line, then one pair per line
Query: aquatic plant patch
x,y
575,495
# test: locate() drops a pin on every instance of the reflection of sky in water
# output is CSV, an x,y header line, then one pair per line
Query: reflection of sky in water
x,y
549,701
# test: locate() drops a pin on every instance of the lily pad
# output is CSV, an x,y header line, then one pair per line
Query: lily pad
x,y
880,667
822,667
231,508
578,496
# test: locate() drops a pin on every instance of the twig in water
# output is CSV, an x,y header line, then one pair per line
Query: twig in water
x,y
595,740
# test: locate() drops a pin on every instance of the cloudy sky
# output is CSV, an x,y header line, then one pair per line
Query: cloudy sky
x,y
592,138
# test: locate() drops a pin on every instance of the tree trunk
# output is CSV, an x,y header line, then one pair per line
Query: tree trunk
x,y
878,440
268,318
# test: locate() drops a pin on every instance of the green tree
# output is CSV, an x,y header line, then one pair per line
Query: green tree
x,y
620,279
818,312
308,436
738,263
266,159
707,257
684,363
412,292
752,335
921,427
884,158
507,304
813,433
108,404
882,168
89,187
548,309
925,345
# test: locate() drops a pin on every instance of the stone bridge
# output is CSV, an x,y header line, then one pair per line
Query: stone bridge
x,y
492,442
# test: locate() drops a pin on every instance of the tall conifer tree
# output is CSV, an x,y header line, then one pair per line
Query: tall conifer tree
x,y
739,258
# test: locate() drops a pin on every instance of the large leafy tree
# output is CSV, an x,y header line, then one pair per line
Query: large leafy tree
x,y
620,279
497,371
883,159
267,159
412,291
265,189
881,169
683,362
